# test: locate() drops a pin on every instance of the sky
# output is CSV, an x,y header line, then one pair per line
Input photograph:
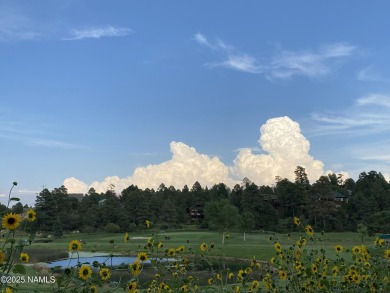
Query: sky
x,y
99,93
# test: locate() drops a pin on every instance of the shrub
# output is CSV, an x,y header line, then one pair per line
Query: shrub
x,y
111,228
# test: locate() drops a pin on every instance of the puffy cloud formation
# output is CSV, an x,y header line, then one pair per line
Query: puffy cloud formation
x,y
287,148
280,138
75,185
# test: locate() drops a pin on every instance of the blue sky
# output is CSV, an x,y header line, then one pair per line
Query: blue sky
x,y
92,91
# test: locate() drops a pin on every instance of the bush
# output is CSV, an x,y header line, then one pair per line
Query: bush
x,y
132,227
111,228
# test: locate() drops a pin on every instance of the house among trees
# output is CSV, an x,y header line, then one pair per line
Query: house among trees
x,y
196,212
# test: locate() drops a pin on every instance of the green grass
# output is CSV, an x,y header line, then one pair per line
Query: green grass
x,y
257,244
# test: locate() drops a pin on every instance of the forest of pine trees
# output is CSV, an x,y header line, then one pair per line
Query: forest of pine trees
x,y
329,204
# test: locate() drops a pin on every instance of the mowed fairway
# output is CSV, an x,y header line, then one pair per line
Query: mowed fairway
x,y
257,244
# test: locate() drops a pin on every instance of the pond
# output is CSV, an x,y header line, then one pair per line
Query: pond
x,y
114,261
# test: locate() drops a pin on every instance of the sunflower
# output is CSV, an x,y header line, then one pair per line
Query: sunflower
x,y
2,256
230,276
135,268
237,289
160,244
278,247
11,221
104,274
356,250
387,254
184,288
93,289
203,247
219,277
171,252
180,248
24,257
126,237
255,284
142,256
31,215
314,268
132,287
148,224
210,281
74,246
335,270
85,272
282,275
309,230
339,248
8,290
297,221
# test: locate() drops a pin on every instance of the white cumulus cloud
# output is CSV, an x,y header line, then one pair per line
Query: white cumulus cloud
x,y
280,138
287,148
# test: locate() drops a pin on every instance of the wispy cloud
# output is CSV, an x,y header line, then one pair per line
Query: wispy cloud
x,y
284,65
20,132
375,100
312,64
232,58
369,74
98,32
16,27
369,114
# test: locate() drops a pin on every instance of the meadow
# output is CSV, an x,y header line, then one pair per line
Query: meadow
x,y
234,253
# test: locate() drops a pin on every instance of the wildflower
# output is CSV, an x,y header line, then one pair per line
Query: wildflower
x,y
104,274
31,215
356,250
268,281
255,284
180,248
241,274
2,256
278,247
171,252
297,222
356,278
24,257
203,247
335,270
142,256
74,246
282,275
148,224
387,254
309,230
132,287
135,268
85,272
339,248
11,221
314,268
126,237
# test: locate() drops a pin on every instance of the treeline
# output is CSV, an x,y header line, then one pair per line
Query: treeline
x,y
329,204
